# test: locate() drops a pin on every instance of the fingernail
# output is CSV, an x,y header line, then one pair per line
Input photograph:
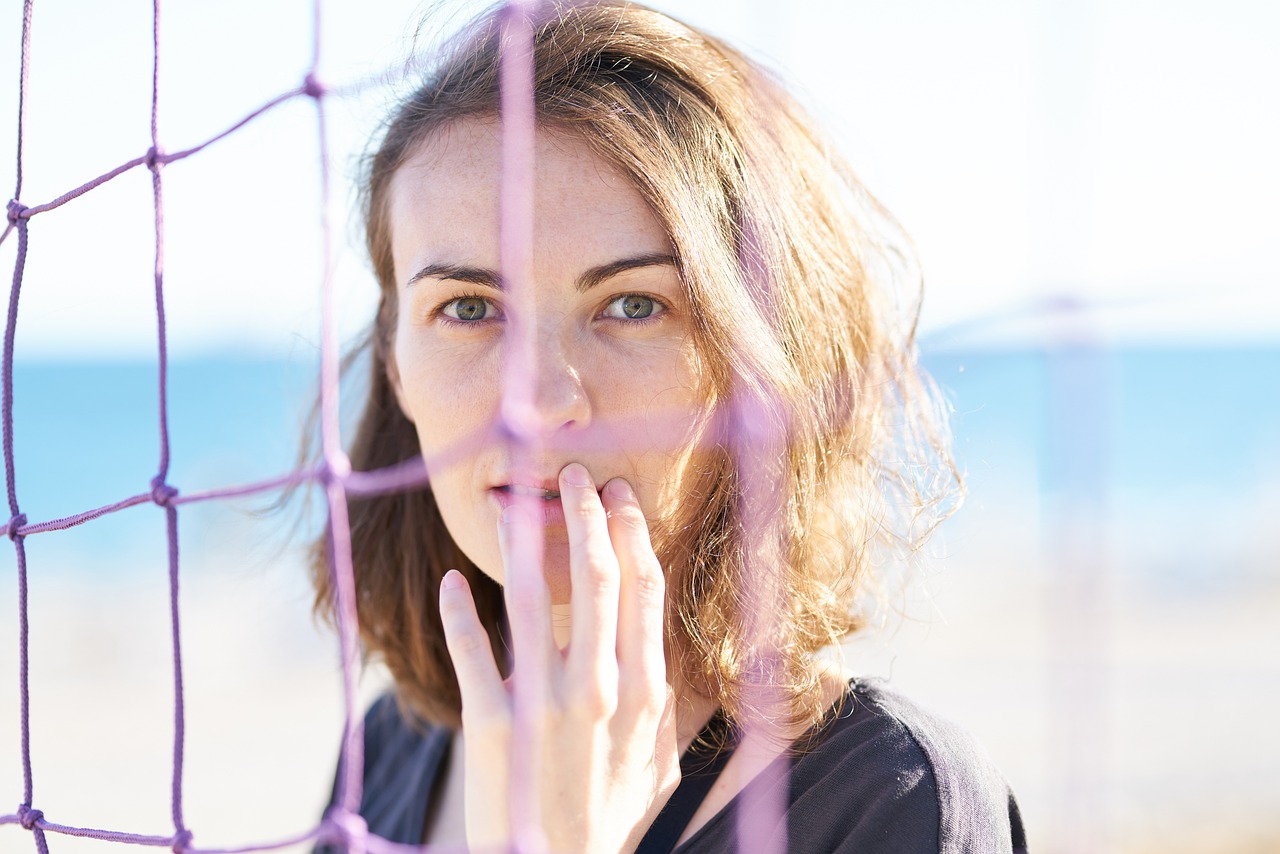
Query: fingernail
x,y
452,580
619,488
576,474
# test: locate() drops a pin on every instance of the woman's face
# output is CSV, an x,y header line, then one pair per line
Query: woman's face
x,y
609,377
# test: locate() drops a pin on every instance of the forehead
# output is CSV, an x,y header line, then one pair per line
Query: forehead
x,y
444,204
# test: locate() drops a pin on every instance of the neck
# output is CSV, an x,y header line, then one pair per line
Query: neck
x,y
560,625
692,713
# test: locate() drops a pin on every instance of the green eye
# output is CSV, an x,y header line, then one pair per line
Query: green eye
x,y
468,309
632,307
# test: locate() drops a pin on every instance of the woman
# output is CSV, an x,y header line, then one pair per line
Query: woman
x,y
665,465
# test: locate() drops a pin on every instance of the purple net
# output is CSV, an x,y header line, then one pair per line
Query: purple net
x,y
758,438
341,824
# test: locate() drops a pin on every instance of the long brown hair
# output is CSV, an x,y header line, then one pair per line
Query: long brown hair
x,y
828,454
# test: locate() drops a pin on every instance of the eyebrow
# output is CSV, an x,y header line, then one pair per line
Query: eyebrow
x,y
588,280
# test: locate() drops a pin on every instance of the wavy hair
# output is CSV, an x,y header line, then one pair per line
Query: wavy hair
x,y
828,459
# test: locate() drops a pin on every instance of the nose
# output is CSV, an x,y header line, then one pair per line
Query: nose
x,y
543,394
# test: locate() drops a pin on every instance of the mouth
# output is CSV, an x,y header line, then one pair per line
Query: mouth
x,y
515,489
540,492
544,498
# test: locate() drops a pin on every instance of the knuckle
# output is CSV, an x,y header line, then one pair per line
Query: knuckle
x,y
585,510
599,576
525,597
593,702
649,583
468,642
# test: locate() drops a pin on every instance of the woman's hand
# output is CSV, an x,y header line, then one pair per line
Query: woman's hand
x,y
576,750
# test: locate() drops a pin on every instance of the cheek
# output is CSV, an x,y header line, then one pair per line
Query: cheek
x,y
448,395
452,407
668,448
668,409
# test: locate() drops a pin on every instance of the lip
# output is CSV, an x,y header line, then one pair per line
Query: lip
x,y
552,509
505,495
528,485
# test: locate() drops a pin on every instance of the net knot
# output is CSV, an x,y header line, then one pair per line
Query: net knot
x,y
181,840
312,86
162,493
28,817
353,827
155,158
12,529
17,210
336,468
346,829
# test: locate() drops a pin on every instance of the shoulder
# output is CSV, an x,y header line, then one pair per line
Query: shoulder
x,y
907,781
401,757
387,731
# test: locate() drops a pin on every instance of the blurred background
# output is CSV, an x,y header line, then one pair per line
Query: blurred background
x,y
1093,189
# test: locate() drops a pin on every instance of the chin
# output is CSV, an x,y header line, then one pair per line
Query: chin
x,y
555,569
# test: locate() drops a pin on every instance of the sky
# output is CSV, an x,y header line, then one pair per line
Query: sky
x,y
1113,156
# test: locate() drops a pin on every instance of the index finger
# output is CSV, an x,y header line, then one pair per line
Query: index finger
x,y
528,602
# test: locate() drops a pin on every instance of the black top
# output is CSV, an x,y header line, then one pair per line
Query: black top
x,y
879,775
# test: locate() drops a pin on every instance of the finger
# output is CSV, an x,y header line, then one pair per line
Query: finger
x,y
642,599
479,680
528,601
488,819
593,570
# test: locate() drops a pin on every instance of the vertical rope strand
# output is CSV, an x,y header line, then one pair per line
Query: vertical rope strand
x,y
23,676
330,439
758,443
16,521
181,834
10,330
515,230
338,467
13,500
22,90
154,163
350,780
11,325
161,493
515,261
16,216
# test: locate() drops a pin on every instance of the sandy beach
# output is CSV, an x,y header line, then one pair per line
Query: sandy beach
x,y
1139,720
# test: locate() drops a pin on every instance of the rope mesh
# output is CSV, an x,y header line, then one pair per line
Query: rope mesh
x,y
342,825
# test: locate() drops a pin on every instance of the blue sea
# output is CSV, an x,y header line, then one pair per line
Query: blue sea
x,y
1176,447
